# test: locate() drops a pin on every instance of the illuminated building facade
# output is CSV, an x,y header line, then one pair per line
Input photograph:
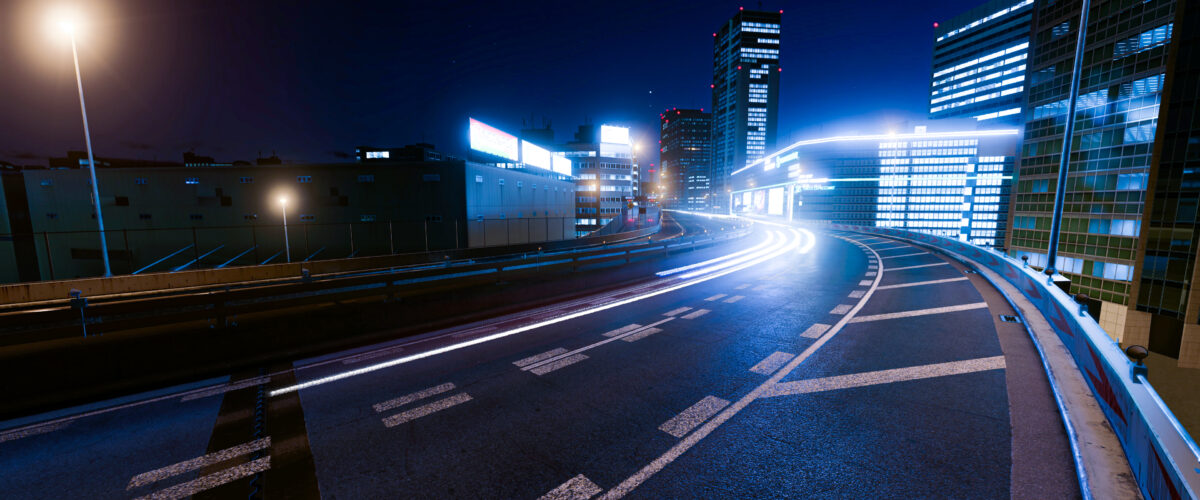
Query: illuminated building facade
x,y
685,156
745,95
953,184
1127,238
606,174
979,60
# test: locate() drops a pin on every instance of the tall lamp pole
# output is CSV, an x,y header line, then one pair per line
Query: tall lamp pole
x,y
70,29
287,249
1060,191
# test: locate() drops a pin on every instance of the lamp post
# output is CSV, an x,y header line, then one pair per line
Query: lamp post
x,y
69,27
287,249
1060,190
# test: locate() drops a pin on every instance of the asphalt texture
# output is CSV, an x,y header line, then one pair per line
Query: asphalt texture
x,y
719,385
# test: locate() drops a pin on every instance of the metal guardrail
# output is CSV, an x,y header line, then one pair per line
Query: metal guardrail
x,y
1165,460
218,304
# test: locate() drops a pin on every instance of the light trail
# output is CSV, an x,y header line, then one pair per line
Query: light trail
x,y
760,246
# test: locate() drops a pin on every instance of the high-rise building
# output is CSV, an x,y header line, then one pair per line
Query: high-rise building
x,y
979,60
1136,74
745,95
685,158
606,176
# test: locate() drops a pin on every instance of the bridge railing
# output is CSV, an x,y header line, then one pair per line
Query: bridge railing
x,y
1165,460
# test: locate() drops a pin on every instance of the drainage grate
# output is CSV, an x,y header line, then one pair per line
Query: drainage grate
x,y
1008,318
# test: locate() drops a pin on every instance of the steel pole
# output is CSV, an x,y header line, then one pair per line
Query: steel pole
x,y
87,136
1060,190
287,249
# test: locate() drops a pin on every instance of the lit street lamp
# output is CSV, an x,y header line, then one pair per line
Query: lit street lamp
x,y
287,249
68,26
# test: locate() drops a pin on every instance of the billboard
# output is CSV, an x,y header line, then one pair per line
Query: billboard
x,y
490,140
561,165
534,155
614,135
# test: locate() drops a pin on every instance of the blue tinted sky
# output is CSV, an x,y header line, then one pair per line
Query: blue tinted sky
x,y
231,78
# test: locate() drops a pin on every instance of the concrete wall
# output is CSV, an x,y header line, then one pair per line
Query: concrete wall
x,y
510,206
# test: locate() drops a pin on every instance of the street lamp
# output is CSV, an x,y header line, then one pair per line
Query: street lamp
x,y
287,249
67,24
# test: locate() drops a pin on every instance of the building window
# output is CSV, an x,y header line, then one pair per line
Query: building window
x,y
250,217
366,178
141,181
47,182
144,216
196,217
479,178
191,180
438,218
304,179
375,155
246,180
52,215
307,217
367,218
122,201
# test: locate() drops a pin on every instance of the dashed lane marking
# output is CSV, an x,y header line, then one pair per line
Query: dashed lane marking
x,y
688,419
718,296
419,395
742,286
842,309
919,266
733,299
921,283
905,255
760,288
429,409
886,376
695,314
865,283
32,431
624,329
210,481
919,312
857,294
201,462
641,334
815,331
771,363
677,312
576,488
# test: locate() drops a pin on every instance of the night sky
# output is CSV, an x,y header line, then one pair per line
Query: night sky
x,y
311,80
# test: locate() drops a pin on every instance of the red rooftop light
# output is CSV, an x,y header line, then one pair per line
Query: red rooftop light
x,y
741,8
935,25
781,11
739,67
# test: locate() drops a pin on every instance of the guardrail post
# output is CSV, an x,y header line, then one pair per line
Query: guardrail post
x,y
1080,299
1137,353
305,275
79,302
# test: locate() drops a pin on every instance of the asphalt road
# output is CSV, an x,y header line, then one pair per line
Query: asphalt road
x,y
812,365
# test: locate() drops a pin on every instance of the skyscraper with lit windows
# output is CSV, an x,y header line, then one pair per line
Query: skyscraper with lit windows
x,y
685,158
979,60
745,95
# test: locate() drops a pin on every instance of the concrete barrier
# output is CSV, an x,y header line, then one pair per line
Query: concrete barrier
x,y
1165,460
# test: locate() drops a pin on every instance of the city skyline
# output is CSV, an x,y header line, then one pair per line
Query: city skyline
x,y
187,103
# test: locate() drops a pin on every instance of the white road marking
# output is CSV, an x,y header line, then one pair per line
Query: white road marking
x,y
815,331
733,299
533,366
871,273
624,329
558,363
226,388
742,286
841,309
695,314
688,419
857,294
419,395
677,312
886,376
718,296
873,267
920,266
25,432
685,444
421,411
771,363
215,457
641,334
919,283
865,283
210,481
920,312
760,288
905,255
577,488
373,354
891,248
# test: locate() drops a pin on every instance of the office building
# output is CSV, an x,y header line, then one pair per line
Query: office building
x,y
605,172
1129,247
952,183
745,95
685,158
979,60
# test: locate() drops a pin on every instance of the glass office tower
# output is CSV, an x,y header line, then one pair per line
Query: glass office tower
x,y
745,95
685,158
1125,72
979,60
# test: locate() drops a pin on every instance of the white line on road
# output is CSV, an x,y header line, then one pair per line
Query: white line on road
x,y
919,266
905,255
891,248
695,314
920,312
677,312
688,419
919,283
771,363
32,431
733,299
871,273
718,296
865,283
640,334
215,457
421,411
226,388
560,363
873,267
419,395
577,488
210,481
857,294
624,329
760,288
842,309
815,331
742,286
886,376
534,366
